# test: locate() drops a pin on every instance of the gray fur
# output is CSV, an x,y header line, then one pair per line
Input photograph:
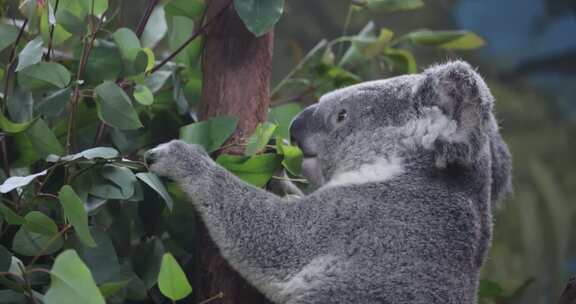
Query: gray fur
x,y
402,210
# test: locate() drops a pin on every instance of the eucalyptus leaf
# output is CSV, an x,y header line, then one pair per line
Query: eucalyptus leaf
x,y
259,16
31,54
72,282
172,281
210,134
154,182
12,127
5,259
93,153
44,75
19,181
143,95
283,116
54,104
74,210
8,34
394,5
43,139
29,243
455,40
10,216
115,107
38,222
260,138
256,170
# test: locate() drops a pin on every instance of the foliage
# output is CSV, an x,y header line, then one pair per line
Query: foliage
x,y
83,96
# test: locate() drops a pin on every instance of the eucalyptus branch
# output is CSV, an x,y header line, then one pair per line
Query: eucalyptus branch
x,y
10,67
146,17
216,297
70,140
195,35
51,36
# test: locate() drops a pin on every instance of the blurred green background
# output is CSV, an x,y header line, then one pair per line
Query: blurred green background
x,y
529,61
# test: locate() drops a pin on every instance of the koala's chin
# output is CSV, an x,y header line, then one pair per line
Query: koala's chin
x,y
312,171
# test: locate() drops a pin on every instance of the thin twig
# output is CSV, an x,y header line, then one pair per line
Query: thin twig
x,y
216,297
70,140
144,21
10,67
48,244
52,28
195,35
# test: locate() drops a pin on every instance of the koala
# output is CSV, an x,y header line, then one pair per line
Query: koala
x,y
406,171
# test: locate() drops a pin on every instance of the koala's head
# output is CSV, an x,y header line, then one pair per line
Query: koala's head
x,y
424,121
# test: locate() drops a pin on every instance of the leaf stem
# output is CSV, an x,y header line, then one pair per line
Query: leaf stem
x,y
195,35
144,21
220,295
70,140
346,27
48,244
52,28
10,67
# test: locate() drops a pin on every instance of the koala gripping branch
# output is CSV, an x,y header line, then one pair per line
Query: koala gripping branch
x,y
236,75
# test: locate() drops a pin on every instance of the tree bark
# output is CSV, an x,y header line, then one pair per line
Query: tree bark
x,y
236,79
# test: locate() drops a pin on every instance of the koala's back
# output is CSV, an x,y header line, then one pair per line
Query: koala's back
x,y
411,240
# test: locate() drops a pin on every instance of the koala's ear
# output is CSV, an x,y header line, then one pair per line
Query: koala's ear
x,y
463,97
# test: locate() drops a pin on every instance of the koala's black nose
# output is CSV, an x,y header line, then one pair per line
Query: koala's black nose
x,y
300,124
149,158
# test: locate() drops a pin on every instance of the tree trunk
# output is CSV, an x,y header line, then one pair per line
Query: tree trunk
x,y
236,75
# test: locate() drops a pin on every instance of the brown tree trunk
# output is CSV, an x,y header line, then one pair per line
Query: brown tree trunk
x,y
236,74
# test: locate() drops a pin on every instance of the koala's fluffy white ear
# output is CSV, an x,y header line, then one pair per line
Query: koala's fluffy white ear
x,y
463,97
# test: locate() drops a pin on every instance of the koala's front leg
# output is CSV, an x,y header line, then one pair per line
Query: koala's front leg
x,y
260,234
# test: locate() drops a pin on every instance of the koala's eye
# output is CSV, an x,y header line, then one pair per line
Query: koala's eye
x,y
341,116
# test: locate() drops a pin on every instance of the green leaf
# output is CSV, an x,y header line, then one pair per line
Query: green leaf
x,y
74,210
210,134
8,34
54,104
102,260
44,75
260,138
38,222
5,259
172,281
115,107
156,28
135,59
283,116
292,157
143,95
259,16
455,40
93,153
146,260
367,44
121,177
43,139
72,282
256,170
187,8
30,243
394,5
31,54
401,61
19,181
98,7
10,216
154,182
490,290
12,127
109,289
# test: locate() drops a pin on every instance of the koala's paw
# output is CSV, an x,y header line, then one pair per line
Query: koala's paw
x,y
177,160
